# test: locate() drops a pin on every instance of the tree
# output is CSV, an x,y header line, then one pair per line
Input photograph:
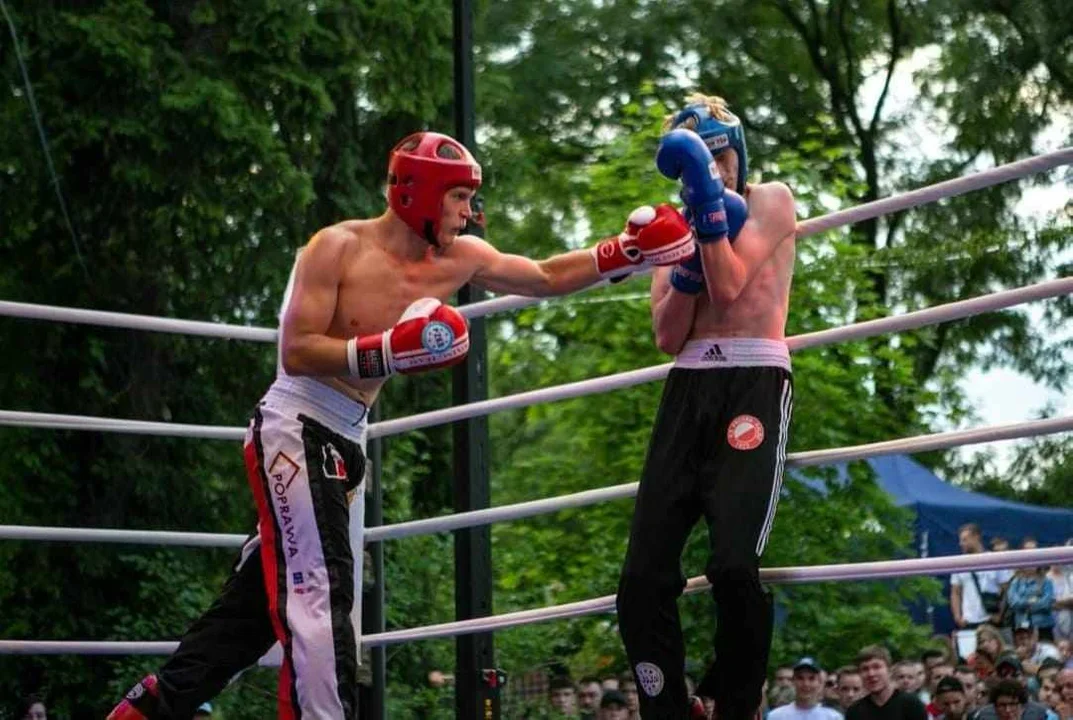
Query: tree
x,y
195,146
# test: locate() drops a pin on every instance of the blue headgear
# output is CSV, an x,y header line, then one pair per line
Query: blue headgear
x,y
718,135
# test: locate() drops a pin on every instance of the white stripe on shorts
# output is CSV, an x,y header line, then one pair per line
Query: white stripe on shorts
x,y
785,408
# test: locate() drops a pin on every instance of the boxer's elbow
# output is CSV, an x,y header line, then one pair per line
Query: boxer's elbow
x,y
291,361
668,342
294,355
725,281
670,334
724,294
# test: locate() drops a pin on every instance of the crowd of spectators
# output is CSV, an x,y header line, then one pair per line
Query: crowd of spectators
x,y
938,685
1011,658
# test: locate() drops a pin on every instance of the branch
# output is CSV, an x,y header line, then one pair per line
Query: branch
x,y
895,55
851,71
812,44
1035,47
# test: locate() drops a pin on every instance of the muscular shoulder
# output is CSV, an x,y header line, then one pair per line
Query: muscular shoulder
x,y
335,242
472,250
773,204
339,237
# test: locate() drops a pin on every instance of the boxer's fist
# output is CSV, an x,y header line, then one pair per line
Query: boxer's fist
x,y
618,256
653,236
683,155
666,239
428,336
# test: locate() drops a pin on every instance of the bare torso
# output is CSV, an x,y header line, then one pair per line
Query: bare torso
x,y
377,286
761,309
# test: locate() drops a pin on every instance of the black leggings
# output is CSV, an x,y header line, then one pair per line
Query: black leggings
x,y
717,449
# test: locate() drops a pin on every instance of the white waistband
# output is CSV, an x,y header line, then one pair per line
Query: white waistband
x,y
335,410
707,353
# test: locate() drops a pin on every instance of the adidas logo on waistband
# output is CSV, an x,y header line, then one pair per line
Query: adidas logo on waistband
x,y
714,354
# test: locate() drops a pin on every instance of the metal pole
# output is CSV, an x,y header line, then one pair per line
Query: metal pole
x,y
476,693
373,603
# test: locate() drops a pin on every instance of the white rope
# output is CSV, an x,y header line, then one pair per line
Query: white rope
x,y
935,441
857,331
39,533
867,211
136,322
938,191
777,576
917,444
516,511
53,421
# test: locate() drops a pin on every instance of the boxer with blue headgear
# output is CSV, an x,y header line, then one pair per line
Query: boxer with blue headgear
x,y
719,128
718,444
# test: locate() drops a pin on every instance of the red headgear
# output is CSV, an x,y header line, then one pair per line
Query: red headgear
x,y
422,168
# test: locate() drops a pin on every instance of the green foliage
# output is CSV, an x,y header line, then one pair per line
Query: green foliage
x,y
197,144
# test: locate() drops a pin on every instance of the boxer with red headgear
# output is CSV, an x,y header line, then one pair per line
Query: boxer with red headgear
x,y
366,300
421,170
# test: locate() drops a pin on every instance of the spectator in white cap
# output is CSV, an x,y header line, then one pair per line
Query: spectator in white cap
x,y
808,692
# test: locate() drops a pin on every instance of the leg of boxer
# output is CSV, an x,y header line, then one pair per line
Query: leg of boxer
x,y
746,459
229,637
667,507
232,635
300,473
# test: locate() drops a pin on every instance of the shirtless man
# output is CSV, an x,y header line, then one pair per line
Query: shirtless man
x,y
365,301
719,441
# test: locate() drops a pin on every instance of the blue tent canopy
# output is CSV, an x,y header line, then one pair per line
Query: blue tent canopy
x,y
941,508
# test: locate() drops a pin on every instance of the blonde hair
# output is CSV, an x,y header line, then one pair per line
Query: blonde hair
x,y
989,632
717,107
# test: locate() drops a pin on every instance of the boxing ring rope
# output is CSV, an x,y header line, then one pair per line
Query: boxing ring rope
x,y
895,203
857,331
533,508
855,571
776,576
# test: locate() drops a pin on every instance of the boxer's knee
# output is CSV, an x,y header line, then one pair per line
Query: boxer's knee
x,y
642,593
730,578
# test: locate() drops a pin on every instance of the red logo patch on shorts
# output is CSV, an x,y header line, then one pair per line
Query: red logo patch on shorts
x,y
745,433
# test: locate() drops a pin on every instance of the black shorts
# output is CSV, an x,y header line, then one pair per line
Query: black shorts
x,y
717,451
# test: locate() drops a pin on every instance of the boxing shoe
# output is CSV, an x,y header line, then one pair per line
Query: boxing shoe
x,y
139,703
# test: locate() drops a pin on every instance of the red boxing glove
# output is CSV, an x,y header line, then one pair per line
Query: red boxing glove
x,y
653,236
428,336
667,239
616,257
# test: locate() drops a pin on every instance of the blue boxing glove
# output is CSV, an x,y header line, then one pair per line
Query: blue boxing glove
x,y
688,277
682,154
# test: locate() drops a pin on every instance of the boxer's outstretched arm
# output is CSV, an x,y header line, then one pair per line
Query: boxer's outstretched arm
x,y
505,273
653,236
672,313
304,347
